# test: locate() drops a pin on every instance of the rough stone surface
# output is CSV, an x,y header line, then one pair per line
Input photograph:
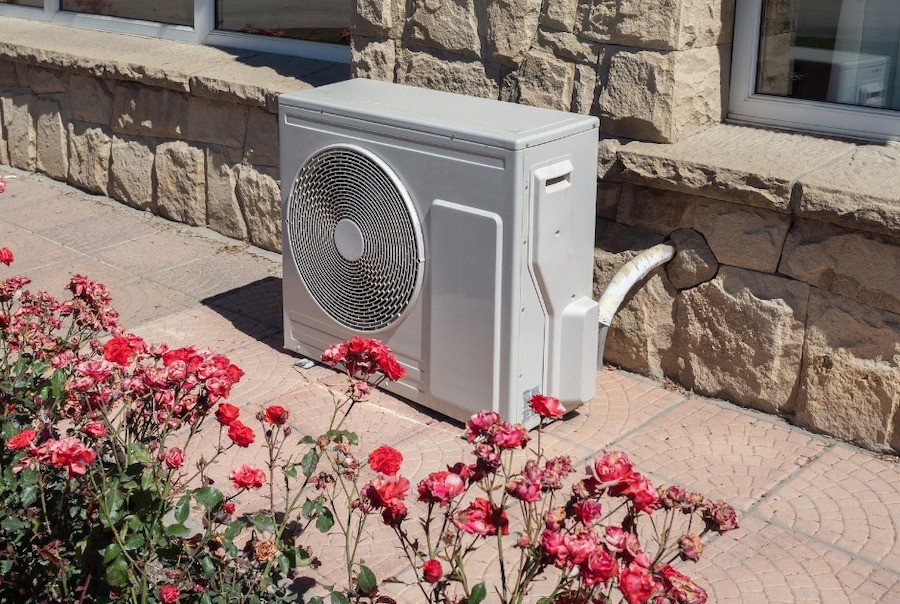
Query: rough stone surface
x,y
584,98
559,14
567,45
542,81
47,81
51,144
131,172
742,236
375,18
261,145
511,29
4,150
642,333
13,74
148,111
858,189
441,72
19,128
694,263
705,23
223,211
656,210
701,90
374,59
615,238
89,151
260,198
640,23
90,99
181,182
740,336
216,122
850,386
449,25
863,267
608,195
736,163
608,164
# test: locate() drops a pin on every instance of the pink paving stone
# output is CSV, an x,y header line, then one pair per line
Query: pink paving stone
x,y
202,327
761,562
269,373
623,402
848,498
758,455
143,301
35,205
53,278
98,232
31,252
160,249
229,270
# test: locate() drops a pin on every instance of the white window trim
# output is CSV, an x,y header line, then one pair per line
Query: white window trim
x,y
746,106
203,32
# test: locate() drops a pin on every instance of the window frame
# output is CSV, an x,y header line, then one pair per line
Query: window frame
x,y
748,106
202,32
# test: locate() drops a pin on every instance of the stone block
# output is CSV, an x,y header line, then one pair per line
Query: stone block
x,y
859,266
742,236
608,195
655,210
641,335
615,238
19,128
261,144
373,59
181,182
448,25
222,207
740,337
13,74
694,263
584,98
705,23
4,149
511,30
90,99
541,81
376,18
608,165
753,166
850,385
663,96
859,190
260,198
216,122
131,172
51,141
147,111
559,14
47,81
445,72
567,45
89,151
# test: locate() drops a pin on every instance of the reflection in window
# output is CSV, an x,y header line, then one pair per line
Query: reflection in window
x,y
318,20
172,12
842,51
34,3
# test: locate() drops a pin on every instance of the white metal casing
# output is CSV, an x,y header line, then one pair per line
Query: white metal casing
x,y
504,195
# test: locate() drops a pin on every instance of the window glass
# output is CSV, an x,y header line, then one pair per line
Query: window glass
x,y
839,51
34,3
173,12
318,20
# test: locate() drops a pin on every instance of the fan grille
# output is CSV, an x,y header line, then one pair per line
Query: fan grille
x,y
368,291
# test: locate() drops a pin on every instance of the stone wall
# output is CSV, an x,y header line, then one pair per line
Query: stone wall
x,y
191,159
654,70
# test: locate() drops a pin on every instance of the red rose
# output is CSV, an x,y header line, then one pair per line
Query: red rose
x,y
587,511
609,469
637,488
21,440
432,571
681,588
482,518
547,406
599,568
6,256
69,453
386,460
174,458
481,423
2,184
226,414
240,434
509,436
228,508
275,414
94,429
119,350
553,543
441,487
636,584
169,594
387,494
247,477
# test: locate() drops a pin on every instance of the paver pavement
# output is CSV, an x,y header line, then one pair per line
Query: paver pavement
x,y
820,520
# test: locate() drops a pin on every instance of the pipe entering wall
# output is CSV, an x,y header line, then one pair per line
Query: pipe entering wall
x,y
624,280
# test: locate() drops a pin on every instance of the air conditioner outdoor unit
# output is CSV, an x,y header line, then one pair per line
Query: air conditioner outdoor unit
x,y
458,230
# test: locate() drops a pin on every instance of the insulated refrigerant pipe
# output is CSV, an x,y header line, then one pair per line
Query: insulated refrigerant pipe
x,y
633,272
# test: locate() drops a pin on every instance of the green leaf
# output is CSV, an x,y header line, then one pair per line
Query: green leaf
x,y
310,462
117,572
28,496
11,524
110,552
134,541
338,435
309,506
209,497
290,471
183,508
139,452
148,481
207,566
284,565
479,592
58,383
177,530
545,600
5,566
112,502
307,440
366,581
339,598
325,520
315,600
233,530
204,599
264,523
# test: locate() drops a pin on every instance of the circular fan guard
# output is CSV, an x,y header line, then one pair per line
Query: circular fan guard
x,y
345,183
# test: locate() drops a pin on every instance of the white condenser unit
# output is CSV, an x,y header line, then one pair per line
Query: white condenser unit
x,y
457,230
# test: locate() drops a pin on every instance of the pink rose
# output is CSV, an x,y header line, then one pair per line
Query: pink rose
x,y
480,423
94,429
508,436
690,547
547,406
174,458
587,511
609,469
553,543
681,589
432,571
637,488
599,568
441,487
636,584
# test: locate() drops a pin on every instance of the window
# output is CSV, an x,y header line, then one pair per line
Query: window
x,y
317,29
822,65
